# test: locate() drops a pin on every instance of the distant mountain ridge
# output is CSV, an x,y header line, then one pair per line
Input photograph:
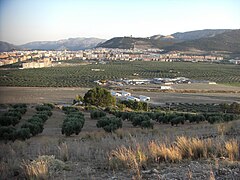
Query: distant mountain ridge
x,y
198,34
132,42
226,41
4,46
72,44
208,39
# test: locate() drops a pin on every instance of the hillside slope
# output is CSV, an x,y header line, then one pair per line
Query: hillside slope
x,y
227,41
4,47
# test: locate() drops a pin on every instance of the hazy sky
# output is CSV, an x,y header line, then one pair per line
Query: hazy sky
x,y
23,21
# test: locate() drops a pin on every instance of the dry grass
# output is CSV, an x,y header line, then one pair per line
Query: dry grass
x,y
232,149
37,169
194,148
160,152
133,148
182,148
63,151
133,158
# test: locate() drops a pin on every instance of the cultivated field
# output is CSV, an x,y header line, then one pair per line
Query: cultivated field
x,y
83,76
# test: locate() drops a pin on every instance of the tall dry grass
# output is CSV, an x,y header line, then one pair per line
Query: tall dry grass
x,y
160,152
63,151
194,148
182,148
37,169
131,157
232,149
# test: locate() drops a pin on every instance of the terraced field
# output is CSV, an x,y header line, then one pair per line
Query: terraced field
x,y
83,76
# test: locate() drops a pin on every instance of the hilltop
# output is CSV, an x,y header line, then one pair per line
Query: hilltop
x,y
161,41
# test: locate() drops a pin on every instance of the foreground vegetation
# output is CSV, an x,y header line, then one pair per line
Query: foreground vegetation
x,y
125,154
83,76
105,139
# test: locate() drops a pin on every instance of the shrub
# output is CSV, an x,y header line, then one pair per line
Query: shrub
x,y
43,108
34,127
43,117
20,105
48,113
68,110
200,118
8,120
138,106
214,119
177,120
146,124
7,133
75,115
109,124
97,114
73,124
20,110
22,133
71,127
35,124
49,105
14,113
141,120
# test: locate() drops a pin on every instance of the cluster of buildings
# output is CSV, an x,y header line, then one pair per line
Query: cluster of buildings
x,y
123,95
164,83
99,54
34,59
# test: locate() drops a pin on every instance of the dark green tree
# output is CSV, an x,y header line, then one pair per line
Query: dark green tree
x,y
99,97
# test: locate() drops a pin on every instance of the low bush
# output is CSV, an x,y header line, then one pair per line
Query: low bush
x,y
137,106
43,108
48,113
109,124
8,120
97,114
7,133
43,117
73,123
68,110
13,113
22,134
34,127
177,120
20,105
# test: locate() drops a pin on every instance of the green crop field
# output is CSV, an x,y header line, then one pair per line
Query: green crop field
x,y
83,76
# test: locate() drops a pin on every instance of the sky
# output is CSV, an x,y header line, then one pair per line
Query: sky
x,y
23,21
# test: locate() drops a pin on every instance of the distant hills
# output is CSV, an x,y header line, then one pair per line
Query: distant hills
x,y
4,46
226,41
208,40
72,44
131,42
